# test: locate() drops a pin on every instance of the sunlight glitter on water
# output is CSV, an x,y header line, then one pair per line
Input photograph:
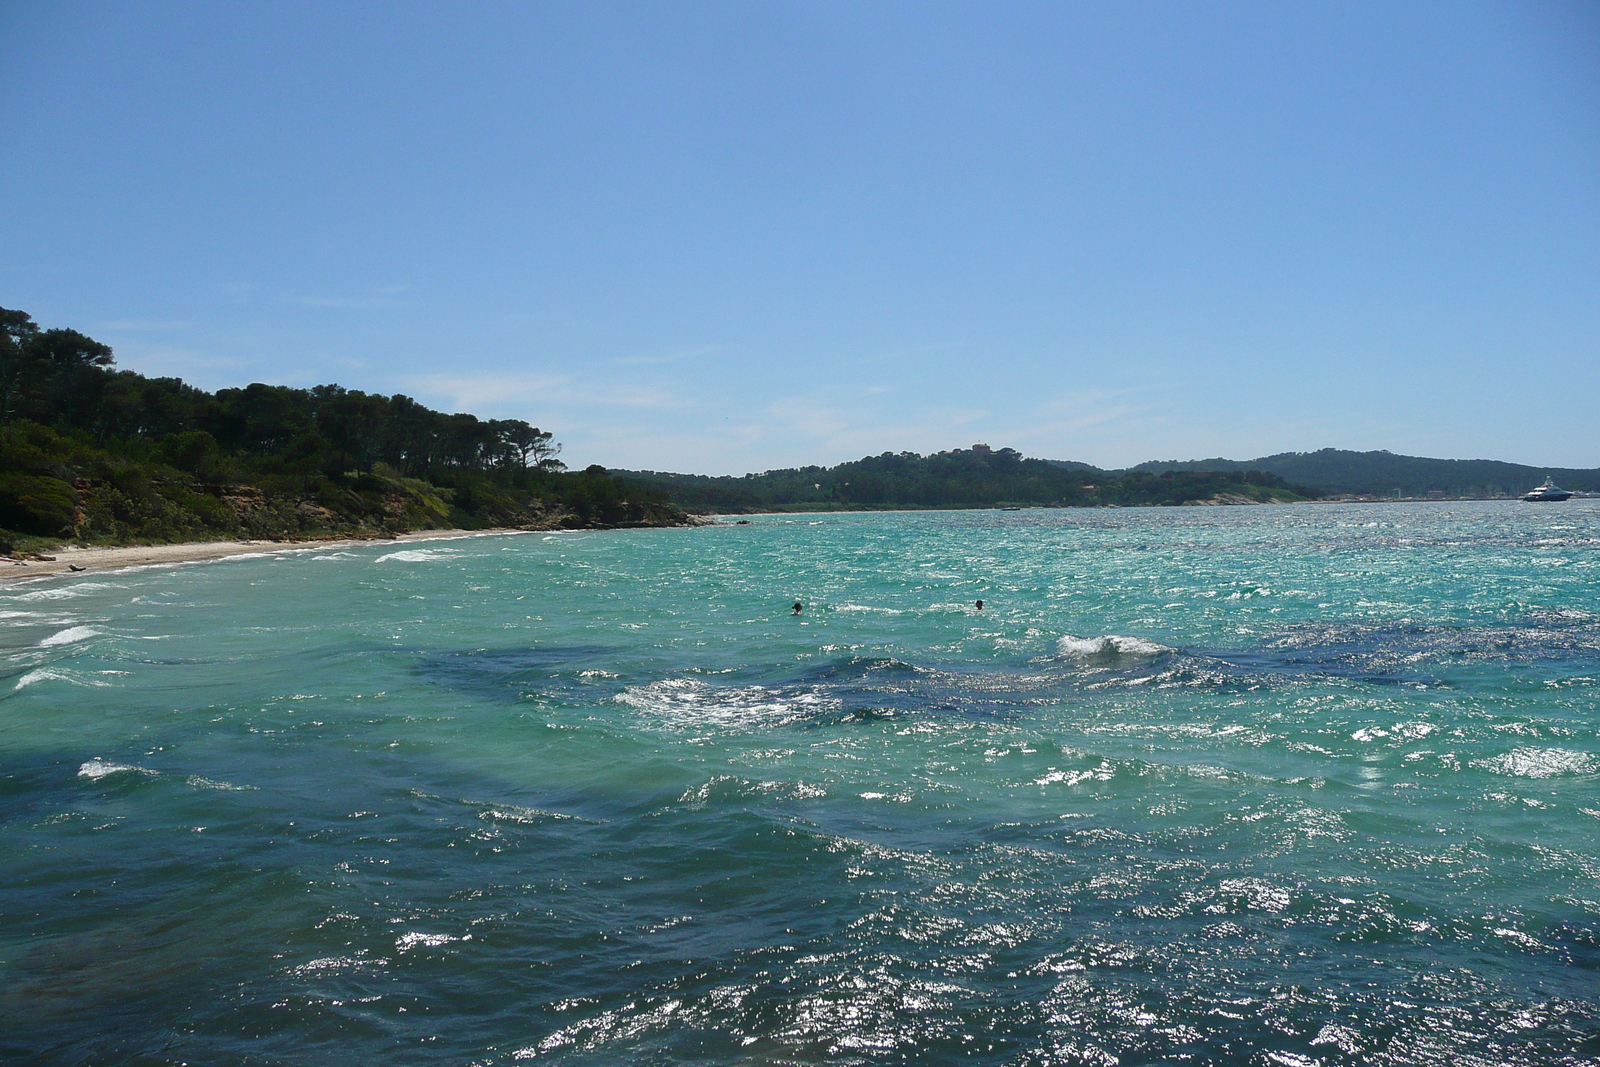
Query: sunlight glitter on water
x,y
1286,785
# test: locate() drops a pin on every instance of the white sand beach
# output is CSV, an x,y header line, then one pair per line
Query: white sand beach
x,y
72,558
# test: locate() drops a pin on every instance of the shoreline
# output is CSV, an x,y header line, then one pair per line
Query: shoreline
x,y
101,559
1126,507
104,558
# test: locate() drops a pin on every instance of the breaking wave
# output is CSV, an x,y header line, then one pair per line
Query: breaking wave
x,y
418,555
1111,646
97,768
70,635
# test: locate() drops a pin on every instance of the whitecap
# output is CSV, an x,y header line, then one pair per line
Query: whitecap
x,y
63,592
1109,645
412,939
69,636
1102,773
1342,1037
1528,762
97,768
48,674
418,555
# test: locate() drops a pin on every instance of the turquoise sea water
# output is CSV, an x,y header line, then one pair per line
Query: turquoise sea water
x,y
1286,786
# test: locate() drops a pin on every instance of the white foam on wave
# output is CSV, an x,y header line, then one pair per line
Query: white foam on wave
x,y
419,555
1529,762
413,939
690,703
1102,773
62,592
70,635
50,674
1109,645
242,557
97,768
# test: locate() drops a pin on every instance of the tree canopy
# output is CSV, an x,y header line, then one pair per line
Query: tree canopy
x,y
91,451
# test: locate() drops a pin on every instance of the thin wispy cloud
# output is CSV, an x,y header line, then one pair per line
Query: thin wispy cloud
x,y
163,359
349,303
677,355
469,392
502,391
146,325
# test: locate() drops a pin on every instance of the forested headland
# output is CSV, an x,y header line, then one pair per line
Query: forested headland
x,y
1386,474
976,477
98,455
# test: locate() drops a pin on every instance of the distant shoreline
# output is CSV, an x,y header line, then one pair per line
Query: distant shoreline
x,y
920,509
116,557
99,559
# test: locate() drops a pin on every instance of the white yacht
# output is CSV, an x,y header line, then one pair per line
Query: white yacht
x,y
1548,491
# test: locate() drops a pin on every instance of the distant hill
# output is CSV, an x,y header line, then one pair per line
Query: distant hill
x,y
1336,470
984,477
976,477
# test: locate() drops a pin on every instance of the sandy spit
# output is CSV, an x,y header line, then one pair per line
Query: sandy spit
x,y
103,559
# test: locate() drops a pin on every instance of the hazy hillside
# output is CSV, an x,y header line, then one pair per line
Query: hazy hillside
x,y
1335,470
976,477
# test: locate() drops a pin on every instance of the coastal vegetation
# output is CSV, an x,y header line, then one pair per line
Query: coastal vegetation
x,y
976,477
99,455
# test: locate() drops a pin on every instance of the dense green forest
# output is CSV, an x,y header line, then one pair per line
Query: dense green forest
x,y
1334,470
976,477
95,454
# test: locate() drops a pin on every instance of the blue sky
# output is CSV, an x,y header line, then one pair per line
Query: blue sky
x,y
731,237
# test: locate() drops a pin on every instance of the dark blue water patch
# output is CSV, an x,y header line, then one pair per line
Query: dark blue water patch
x,y
680,932
1269,666
1555,646
550,672
1552,647
859,689
863,689
1548,637
856,670
846,688
26,785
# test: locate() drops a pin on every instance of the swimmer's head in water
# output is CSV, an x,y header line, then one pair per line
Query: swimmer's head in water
x,y
798,607
980,605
